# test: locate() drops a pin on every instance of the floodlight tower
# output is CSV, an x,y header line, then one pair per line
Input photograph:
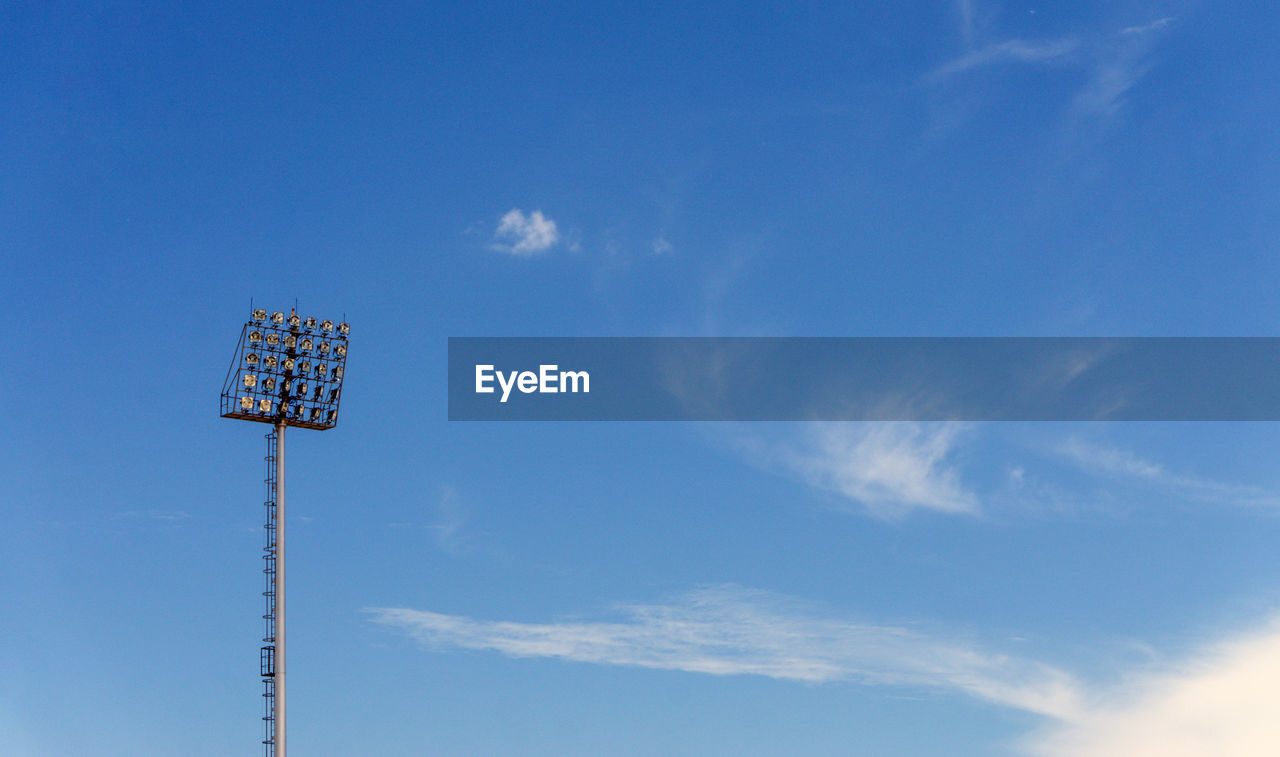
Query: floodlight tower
x,y
287,371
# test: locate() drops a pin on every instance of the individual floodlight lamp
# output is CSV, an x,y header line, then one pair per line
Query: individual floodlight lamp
x,y
262,385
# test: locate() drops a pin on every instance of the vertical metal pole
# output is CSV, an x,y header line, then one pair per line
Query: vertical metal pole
x,y
279,651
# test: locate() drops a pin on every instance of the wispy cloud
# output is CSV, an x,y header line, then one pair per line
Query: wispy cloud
x,y
525,235
1009,51
163,516
1216,701
1111,81
1118,63
1156,25
450,517
729,630
886,469
1126,466
1114,62
964,10
1220,701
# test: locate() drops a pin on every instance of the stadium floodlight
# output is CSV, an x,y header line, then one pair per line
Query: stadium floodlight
x,y
265,393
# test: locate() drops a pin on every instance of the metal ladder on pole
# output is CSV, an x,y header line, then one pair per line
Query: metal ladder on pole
x,y
267,658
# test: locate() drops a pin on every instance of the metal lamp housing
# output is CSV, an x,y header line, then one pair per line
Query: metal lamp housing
x,y
268,350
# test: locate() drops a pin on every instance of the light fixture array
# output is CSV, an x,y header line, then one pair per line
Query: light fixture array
x,y
287,369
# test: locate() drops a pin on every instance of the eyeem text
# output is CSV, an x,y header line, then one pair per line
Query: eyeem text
x,y
548,379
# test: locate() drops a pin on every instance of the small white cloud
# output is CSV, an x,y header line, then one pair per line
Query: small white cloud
x,y
889,469
1156,25
523,235
661,246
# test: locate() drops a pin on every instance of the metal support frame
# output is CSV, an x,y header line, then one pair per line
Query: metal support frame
x,y
286,373
273,378
270,567
272,656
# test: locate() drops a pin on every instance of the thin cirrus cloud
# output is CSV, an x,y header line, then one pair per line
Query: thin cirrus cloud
x,y
729,630
525,235
1014,50
1216,701
1123,465
451,517
1115,62
886,470
1156,25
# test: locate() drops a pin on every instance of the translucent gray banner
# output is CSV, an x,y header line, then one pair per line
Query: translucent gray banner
x,y
864,379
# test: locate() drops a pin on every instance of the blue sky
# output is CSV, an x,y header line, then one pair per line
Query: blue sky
x,y
949,168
